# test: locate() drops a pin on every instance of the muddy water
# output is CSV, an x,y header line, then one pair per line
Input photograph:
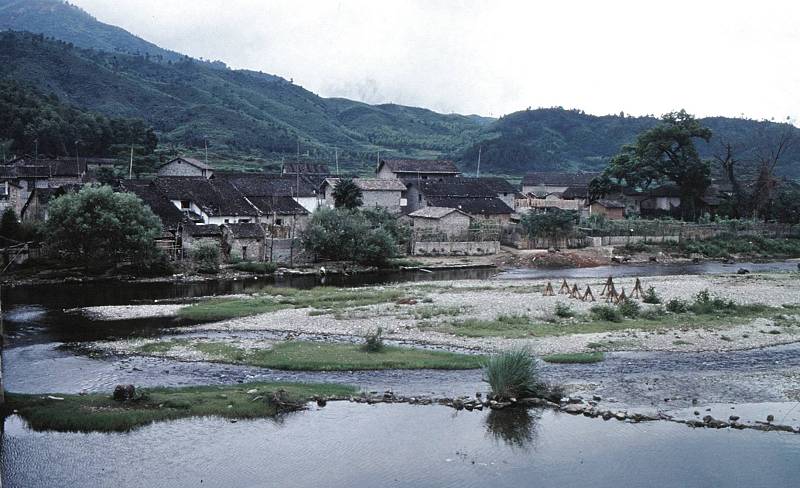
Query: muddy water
x,y
345,445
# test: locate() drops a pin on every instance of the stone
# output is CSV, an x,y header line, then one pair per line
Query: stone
x,y
733,418
597,398
742,271
770,418
321,402
124,393
573,408
251,391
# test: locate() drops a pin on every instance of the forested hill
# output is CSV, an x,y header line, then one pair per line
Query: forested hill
x,y
244,111
558,139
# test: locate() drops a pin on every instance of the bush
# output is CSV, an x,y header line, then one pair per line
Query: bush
x,y
629,308
254,267
373,341
563,310
652,313
650,296
351,235
205,254
704,303
606,312
512,374
555,224
676,305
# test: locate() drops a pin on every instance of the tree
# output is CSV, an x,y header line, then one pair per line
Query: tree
x,y
555,224
96,226
9,225
666,153
346,194
349,235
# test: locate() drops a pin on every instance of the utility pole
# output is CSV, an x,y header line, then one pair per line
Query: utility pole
x,y
36,144
205,142
130,168
298,150
478,172
336,157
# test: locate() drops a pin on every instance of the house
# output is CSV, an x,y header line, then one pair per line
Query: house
x,y
375,192
419,169
172,218
308,169
284,215
211,201
466,194
440,219
35,209
28,174
245,241
193,235
544,183
185,167
300,188
10,196
504,190
610,209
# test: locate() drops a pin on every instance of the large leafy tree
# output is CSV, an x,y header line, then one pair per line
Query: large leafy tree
x,y
666,153
346,194
98,227
350,235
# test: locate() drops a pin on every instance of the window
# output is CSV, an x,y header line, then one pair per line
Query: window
x,y
227,221
185,204
419,198
244,252
244,221
278,221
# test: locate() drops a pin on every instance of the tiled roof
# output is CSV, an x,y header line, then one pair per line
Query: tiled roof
x,y
194,162
213,196
573,192
278,205
421,166
496,184
434,212
262,185
169,214
246,230
610,203
306,169
203,230
371,184
456,187
558,178
472,205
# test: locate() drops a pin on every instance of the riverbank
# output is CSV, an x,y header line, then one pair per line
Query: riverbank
x,y
515,314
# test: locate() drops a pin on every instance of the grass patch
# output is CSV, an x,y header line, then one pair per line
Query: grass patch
x,y
97,412
512,374
563,310
426,312
272,299
575,358
725,245
321,356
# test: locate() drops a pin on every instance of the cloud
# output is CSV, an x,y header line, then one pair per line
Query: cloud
x,y
494,57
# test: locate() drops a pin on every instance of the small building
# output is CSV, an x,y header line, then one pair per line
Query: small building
x,y
375,192
301,188
213,201
610,209
10,196
194,234
185,167
440,219
466,194
420,169
504,190
547,182
284,216
245,241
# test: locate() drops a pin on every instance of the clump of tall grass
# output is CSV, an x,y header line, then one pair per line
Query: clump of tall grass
x,y
676,305
606,313
629,308
512,374
563,310
650,296
373,341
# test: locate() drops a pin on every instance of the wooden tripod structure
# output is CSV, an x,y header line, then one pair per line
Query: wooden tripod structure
x,y
637,289
588,293
548,290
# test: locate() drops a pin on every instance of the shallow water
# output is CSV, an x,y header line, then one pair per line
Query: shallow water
x,y
345,445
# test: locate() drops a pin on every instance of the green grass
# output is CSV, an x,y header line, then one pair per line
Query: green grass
x,y
512,374
255,267
575,358
272,299
321,356
98,412
725,245
424,312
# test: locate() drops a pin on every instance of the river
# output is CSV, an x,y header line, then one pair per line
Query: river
x,y
347,444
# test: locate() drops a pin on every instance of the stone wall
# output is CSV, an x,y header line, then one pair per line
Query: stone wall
x,y
445,248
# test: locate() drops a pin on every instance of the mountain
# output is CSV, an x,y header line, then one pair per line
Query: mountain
x,y
69,23
557,139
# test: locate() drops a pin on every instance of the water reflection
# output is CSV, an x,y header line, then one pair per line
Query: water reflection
x,y
517,427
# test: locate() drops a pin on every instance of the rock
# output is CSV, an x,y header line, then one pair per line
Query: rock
x,y
653,259
742,271
597,398
251,391
321,402
575,400
124,393
478,395
574,409
733,418
51,397
696,412
770,418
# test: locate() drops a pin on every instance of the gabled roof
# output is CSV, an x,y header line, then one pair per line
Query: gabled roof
x,y
203,230
246,230
558,178
442,166
192,161
496,184
435,212
610,203
573,192
473,206
370,184
306,169
263,185
455,187
169,214
278,205
213,196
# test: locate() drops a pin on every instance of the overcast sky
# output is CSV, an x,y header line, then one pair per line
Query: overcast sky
x,y
494,57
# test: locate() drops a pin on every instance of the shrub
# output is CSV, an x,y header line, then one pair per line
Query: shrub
x,y
373,341
704,303
205,254
607,313
676,305
352,235
512,374
652,313
563,310
629,308
650,296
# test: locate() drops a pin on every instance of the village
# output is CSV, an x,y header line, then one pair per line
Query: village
x,y
260,217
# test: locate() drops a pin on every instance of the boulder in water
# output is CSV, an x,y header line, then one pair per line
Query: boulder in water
x,y
124,393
